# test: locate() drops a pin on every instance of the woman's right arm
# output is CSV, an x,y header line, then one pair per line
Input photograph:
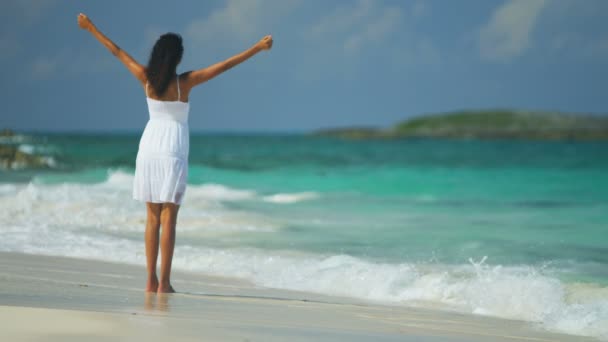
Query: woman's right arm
x,y
138,70
197,77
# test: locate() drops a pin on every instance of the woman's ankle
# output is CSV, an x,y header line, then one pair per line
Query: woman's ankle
x,y
164,286
152,284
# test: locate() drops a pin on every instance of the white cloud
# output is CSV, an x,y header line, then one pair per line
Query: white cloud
x,y
420,9
241,20
564,41
343,19
352,27
375,30
507,34
69,62
576,30
341,40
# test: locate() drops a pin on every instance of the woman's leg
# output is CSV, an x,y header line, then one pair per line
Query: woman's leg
x,y
168,219
151,238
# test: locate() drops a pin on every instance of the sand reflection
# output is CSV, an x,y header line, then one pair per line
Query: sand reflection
x,y
157,301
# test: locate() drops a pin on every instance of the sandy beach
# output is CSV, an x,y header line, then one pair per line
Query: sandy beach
x,y
65,299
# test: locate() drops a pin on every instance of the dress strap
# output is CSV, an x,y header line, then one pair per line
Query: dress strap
x,y
147,89
178,93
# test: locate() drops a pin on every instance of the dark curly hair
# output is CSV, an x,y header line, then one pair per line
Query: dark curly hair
x,y
164,58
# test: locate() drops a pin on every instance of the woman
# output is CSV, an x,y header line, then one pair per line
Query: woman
x,y
161,167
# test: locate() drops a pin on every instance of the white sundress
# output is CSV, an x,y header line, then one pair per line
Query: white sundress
x,y
161,167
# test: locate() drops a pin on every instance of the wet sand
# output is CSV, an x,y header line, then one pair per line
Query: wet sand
x,y
66,299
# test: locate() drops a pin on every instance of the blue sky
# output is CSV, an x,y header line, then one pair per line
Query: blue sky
x,y
334,63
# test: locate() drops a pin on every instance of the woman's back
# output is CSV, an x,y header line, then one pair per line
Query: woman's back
x,y
174,92
169,106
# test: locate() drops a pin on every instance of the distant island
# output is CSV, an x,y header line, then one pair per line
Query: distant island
x,y
486,124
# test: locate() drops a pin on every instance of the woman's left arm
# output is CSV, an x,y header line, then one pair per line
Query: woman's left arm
x,y
138,70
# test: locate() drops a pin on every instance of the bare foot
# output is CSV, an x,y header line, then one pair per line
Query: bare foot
x,y
152,285
165,288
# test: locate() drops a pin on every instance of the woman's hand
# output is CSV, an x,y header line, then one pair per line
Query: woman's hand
x,y
265,43
84,22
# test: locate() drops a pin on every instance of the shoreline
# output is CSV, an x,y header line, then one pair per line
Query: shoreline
x,y
54,298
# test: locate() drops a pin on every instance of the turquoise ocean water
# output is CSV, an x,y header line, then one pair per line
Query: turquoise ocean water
x,y
503,228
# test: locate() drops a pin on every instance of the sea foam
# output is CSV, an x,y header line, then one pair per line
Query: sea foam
x,y
100,221
219,192
288,198
521,293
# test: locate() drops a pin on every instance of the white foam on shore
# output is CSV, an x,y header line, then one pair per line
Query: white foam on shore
x,y
101,221
288,198
521,293
118,179
26,148
8,189
108,207
15,139
219,192
215,192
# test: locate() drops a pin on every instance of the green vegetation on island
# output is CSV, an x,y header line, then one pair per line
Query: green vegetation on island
x,y
487,124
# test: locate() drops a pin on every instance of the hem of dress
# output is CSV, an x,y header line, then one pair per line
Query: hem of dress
x,y
155,201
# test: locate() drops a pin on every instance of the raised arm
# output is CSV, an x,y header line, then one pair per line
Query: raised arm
x,y
197,77
135,68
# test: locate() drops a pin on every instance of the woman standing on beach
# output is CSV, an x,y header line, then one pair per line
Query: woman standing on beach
x,y
161,168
